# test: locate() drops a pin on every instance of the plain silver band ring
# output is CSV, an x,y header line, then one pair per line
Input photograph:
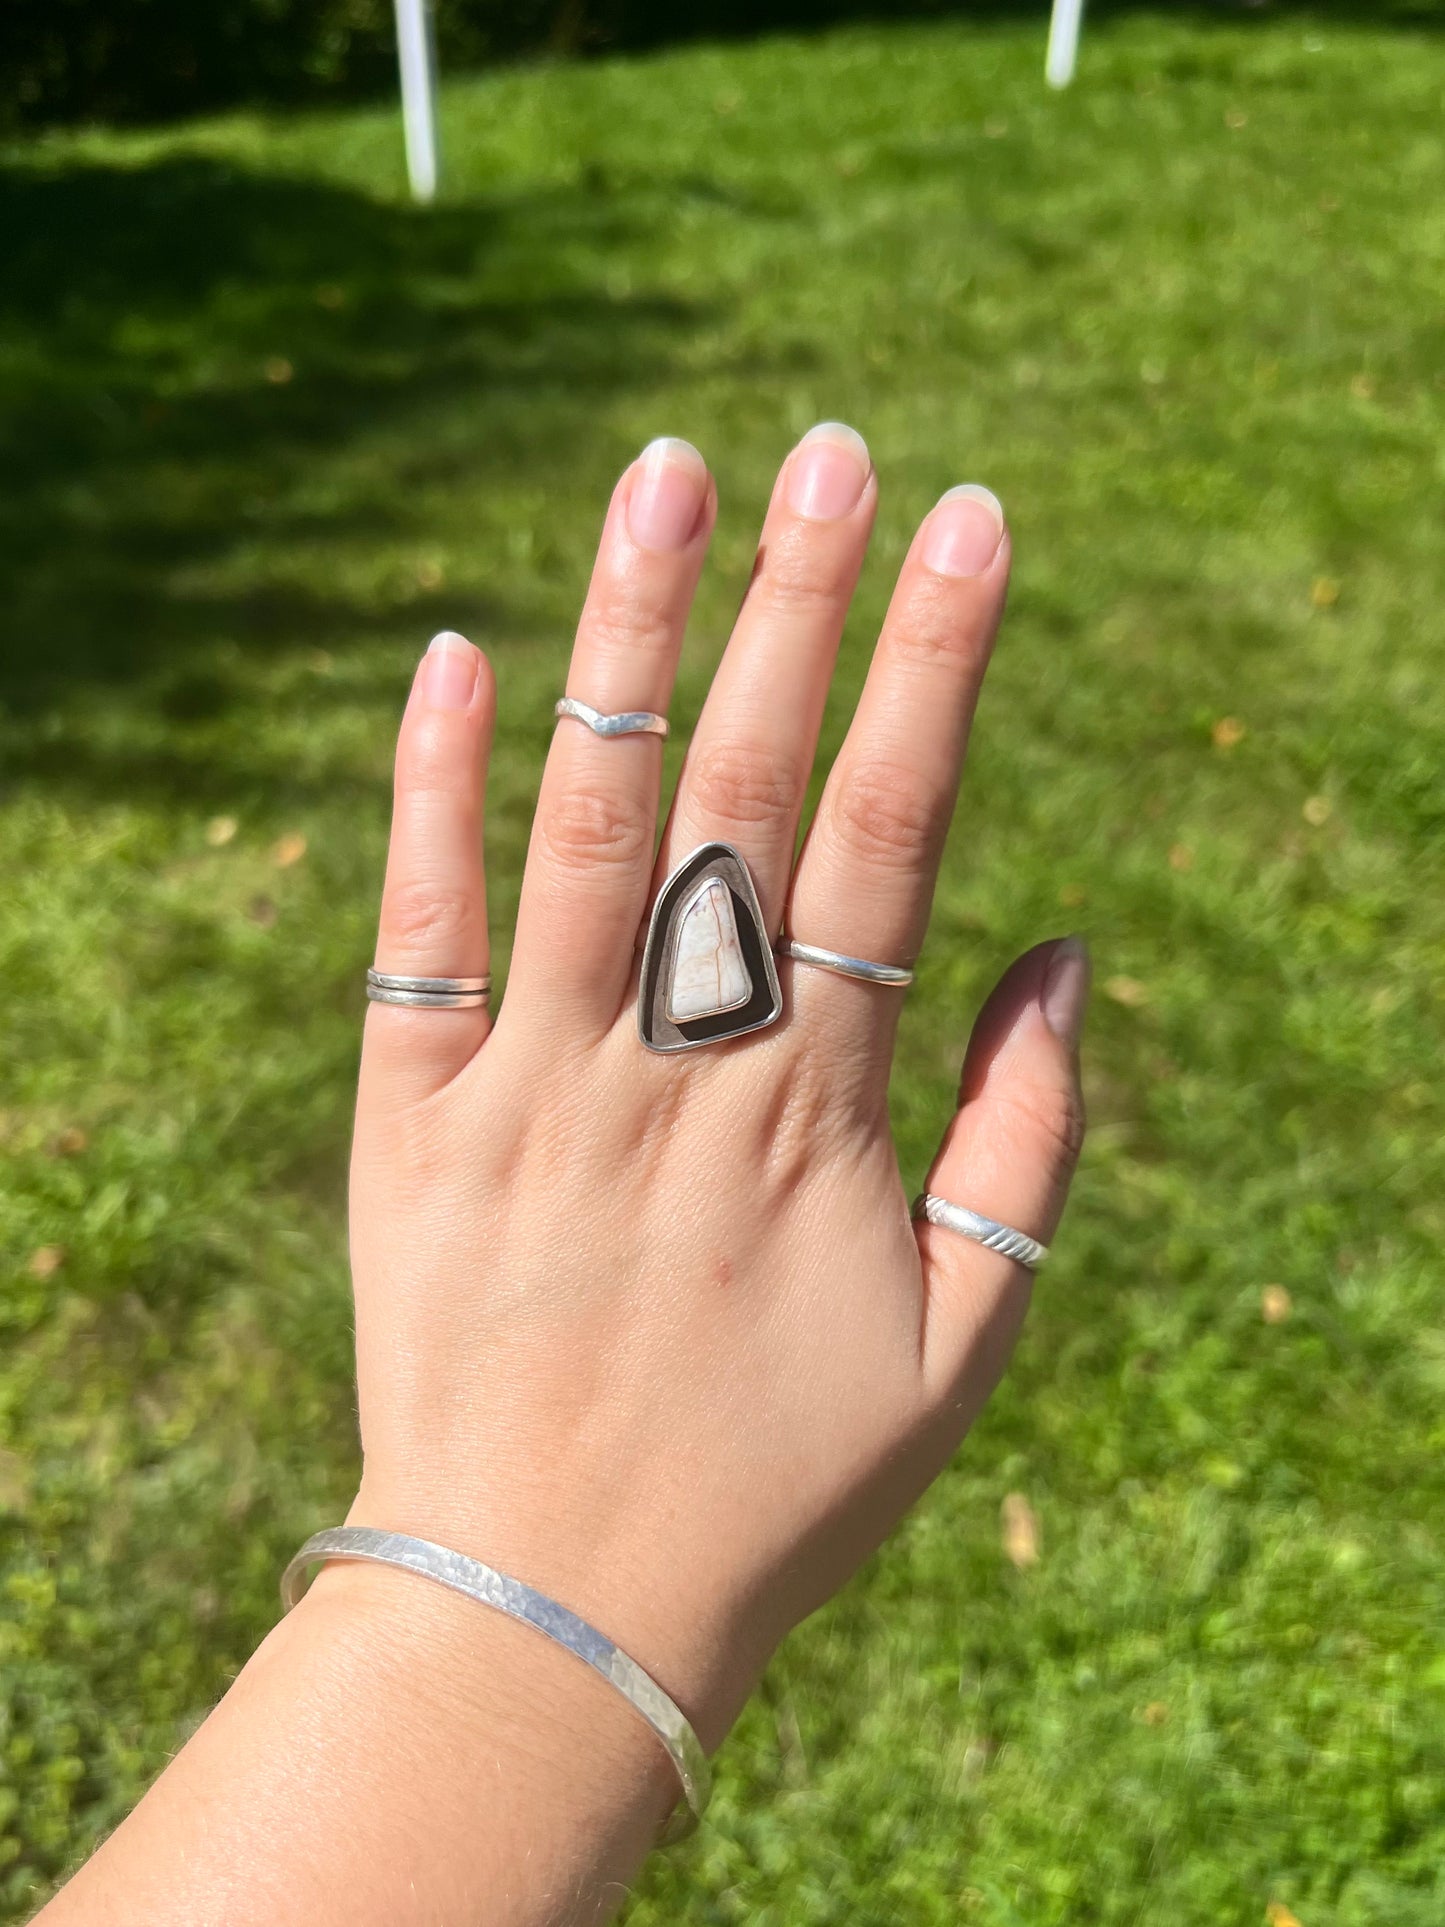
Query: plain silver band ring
x,y
627,722
984,1231
859,967
428,993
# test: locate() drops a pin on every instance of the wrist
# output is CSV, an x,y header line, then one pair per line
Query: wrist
x,y
704,1653
481,1688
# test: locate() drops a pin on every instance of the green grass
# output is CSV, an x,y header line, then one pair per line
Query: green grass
x,y
1187,321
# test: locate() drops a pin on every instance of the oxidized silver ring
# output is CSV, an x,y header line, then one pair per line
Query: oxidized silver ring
x,y
707,967
859,967
984,1231
627,722
428,993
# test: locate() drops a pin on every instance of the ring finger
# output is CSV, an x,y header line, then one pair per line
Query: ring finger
x,y
864,883
748,764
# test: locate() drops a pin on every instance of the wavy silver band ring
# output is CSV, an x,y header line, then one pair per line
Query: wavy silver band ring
x,y
859,967
984,1231
627,722
428,993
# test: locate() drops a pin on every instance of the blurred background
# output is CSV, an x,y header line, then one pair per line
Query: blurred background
x,y
1166,1642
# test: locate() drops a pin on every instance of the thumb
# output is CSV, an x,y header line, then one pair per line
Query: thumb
x,y
1009,1154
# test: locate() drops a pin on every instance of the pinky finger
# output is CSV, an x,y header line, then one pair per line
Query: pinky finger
x,y
434,902
1009,1154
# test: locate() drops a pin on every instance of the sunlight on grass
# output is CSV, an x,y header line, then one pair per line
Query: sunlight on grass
x,y
266,428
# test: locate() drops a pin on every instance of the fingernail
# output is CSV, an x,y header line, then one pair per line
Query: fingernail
x,y
667,497
449,671
828,472
964,531
1065,992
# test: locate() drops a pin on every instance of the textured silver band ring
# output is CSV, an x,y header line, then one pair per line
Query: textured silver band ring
x,y
428,993
983,1231
859,967
627,722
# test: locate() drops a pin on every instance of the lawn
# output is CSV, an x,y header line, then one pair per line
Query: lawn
x,y
266,428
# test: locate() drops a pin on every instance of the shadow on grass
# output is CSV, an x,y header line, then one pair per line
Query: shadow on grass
x,y
199,360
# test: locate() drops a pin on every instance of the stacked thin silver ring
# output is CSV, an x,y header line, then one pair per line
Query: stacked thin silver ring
x,y
428,993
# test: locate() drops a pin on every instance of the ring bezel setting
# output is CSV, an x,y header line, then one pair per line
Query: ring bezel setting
x,y
706,921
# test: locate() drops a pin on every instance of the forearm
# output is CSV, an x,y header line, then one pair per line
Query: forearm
x,y
391,1754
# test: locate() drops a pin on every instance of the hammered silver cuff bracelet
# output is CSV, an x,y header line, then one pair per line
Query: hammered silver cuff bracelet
x,y
491,1588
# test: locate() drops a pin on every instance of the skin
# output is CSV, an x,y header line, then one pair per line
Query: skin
x,y
655,1334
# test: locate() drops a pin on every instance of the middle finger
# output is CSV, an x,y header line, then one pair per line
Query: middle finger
x,y
748,764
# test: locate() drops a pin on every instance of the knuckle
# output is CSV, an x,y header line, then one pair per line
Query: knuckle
x,y
582,830
429,919
884,811
936,633
622,629
1048,1118
742,783
804,580
435,758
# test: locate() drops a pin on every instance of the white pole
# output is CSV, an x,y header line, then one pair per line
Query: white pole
x,y
1063,42
416,50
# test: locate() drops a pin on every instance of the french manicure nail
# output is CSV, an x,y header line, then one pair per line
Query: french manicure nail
x,y
667,496
449,671
964,531
828,472
1065,992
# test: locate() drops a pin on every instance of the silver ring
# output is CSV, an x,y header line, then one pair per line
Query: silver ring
x,y
627,722
984,1231
428,993
859,967
707,967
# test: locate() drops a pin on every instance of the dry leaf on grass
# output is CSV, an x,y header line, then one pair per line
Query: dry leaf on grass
x,y
46,1261
1275,1304
1278,1915
288,850
1020,1530
220,830
1228,731
69,1143
1181,858
1127,991
1316,811
1325,593
279,371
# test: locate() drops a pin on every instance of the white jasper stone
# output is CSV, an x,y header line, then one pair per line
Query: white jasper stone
x,y
708,971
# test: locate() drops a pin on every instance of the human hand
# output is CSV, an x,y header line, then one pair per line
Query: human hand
x,y
655,1333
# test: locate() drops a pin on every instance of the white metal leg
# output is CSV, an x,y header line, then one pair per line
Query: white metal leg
x,y
1063,42
416,50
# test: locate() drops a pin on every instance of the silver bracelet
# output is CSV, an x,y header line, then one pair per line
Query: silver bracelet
x,y
510,1596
